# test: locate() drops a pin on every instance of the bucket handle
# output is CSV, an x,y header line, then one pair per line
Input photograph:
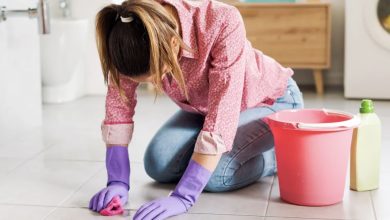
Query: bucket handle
x,y
353,122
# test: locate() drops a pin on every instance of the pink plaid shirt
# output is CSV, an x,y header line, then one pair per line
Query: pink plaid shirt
x,y
224,76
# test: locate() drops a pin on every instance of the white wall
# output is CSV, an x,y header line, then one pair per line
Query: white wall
x,y
20,80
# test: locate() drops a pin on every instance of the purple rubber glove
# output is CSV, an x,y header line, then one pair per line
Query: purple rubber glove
x,y
181,199
101,199
118,171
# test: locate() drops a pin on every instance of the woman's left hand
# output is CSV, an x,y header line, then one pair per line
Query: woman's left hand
x,y
181,199
161,209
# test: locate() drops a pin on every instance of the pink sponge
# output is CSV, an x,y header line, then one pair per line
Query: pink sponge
x,y
113,208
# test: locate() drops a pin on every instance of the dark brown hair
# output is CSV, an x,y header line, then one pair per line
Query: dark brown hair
x,y
140,47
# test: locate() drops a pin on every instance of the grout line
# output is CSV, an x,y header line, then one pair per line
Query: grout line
x,y
74,160
71,194
192,213
32,205
269,194
373,206
284,217
78,188
26,160
48,214
308,218
219,214
91,161
59,206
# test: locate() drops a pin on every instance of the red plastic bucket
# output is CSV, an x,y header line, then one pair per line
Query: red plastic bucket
x,y
312,149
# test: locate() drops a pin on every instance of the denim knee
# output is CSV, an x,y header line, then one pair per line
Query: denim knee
x,y
215,184
157,167
236,175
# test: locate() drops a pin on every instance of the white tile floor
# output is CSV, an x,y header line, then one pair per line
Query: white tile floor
x,y
52,172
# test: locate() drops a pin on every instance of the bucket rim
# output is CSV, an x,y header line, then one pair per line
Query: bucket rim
x,y
353,122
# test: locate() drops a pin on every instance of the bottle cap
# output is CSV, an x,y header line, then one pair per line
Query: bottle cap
x,y
367,106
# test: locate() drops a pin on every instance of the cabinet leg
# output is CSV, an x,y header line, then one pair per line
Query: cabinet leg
x,y
318,79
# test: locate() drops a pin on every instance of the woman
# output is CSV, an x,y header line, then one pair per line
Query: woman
x,y
198,54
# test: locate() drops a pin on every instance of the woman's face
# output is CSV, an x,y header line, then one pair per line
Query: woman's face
x,y
143,79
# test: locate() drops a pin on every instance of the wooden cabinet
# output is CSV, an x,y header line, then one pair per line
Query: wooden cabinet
x,y
297,35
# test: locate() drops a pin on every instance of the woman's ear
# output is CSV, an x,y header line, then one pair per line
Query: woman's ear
x,y
175,45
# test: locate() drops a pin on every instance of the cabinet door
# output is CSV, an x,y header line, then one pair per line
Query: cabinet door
x,y
297,35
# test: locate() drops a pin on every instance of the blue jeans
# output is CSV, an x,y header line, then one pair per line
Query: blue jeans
x,y
252,155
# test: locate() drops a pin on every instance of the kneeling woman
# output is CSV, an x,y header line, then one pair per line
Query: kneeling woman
x,y
198,54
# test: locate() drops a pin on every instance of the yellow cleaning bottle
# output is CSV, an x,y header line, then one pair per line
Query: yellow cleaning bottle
x,y
365,151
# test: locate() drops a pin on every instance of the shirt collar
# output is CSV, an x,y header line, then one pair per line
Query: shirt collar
x,y
187,27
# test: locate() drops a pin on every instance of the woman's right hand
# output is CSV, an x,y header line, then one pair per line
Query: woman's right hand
x,y
101,199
